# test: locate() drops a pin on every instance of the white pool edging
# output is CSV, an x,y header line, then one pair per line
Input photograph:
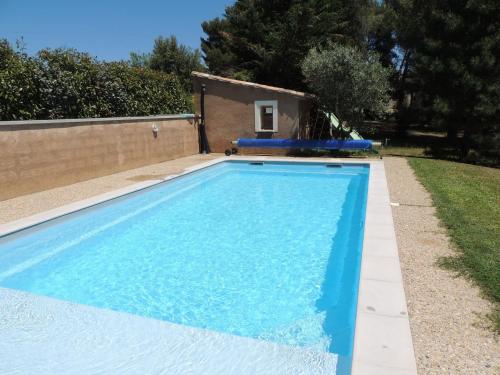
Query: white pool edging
x,y
383,342
382,339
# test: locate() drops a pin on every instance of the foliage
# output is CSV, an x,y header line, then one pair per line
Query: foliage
x,y
266,41
450,51
348,82
381,37
140,60
20,93
65,83
456,64
467,201
171,57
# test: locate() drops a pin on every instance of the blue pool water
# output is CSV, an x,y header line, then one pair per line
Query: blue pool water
x,y
267,251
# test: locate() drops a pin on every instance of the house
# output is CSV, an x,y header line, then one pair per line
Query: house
x,y
238,109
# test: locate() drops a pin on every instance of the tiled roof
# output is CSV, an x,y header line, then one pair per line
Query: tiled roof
x,y
280,90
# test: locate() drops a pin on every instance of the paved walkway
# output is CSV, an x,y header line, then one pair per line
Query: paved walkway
x,y
447,313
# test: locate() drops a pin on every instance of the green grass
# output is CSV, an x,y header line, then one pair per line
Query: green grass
x,y
402,151
467,198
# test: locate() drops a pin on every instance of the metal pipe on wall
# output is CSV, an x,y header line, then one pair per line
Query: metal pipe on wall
x,y
204,147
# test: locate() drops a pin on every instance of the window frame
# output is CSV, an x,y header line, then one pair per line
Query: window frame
x,y
258,108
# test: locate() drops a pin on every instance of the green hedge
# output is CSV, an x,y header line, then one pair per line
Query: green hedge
x,y
65,83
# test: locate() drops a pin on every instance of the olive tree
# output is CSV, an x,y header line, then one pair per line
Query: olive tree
x,y
348,82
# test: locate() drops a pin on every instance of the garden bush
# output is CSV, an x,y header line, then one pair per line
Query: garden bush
x,y
65,83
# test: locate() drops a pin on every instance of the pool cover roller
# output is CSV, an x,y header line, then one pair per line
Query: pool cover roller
x,y
331,144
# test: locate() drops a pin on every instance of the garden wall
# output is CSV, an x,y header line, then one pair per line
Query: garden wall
x,y
38,155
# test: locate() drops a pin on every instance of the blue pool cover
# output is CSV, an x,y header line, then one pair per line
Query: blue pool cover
x,y
332,144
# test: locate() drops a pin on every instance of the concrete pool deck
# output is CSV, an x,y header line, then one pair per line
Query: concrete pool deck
x,y
383,342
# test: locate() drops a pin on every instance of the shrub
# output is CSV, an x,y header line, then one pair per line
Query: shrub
x,y
65,83
20,85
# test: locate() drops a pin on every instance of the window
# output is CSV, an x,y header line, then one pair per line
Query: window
x,y
266,116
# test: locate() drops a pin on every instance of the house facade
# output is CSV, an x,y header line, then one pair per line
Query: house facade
x,y
238,109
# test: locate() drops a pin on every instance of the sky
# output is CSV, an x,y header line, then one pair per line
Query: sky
x,y
107,29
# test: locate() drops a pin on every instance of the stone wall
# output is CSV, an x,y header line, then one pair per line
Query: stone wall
x,y
38,155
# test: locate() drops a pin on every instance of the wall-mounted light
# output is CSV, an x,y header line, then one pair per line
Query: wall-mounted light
x,y
155,130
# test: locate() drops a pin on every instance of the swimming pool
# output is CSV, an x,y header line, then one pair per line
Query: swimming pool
x,y
265,250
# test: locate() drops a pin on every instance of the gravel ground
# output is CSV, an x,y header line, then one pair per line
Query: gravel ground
x,y
30,204
447,312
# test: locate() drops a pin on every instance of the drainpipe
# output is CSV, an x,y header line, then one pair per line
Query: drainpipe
x,y
204,148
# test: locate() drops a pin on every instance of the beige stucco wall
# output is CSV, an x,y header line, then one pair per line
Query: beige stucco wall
x,y
230,113
37,155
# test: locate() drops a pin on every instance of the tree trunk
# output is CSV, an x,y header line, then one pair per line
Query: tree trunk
x,y
466,143
451,133
403,121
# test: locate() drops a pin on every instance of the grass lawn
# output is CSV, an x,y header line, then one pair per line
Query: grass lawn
x,y
467,198
402,151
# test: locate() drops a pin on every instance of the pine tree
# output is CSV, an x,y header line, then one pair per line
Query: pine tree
x,y
457,65
170,56
266,40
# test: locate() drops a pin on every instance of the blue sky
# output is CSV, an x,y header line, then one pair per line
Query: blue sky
x,y
107,29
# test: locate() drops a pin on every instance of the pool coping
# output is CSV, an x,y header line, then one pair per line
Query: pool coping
x,y
382,339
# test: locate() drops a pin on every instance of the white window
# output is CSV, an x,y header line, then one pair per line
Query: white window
x,y
266,116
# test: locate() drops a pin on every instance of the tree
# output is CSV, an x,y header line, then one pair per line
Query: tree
x,y
457,64
140,60
266,41
348,82
170,56
381,35
450,61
